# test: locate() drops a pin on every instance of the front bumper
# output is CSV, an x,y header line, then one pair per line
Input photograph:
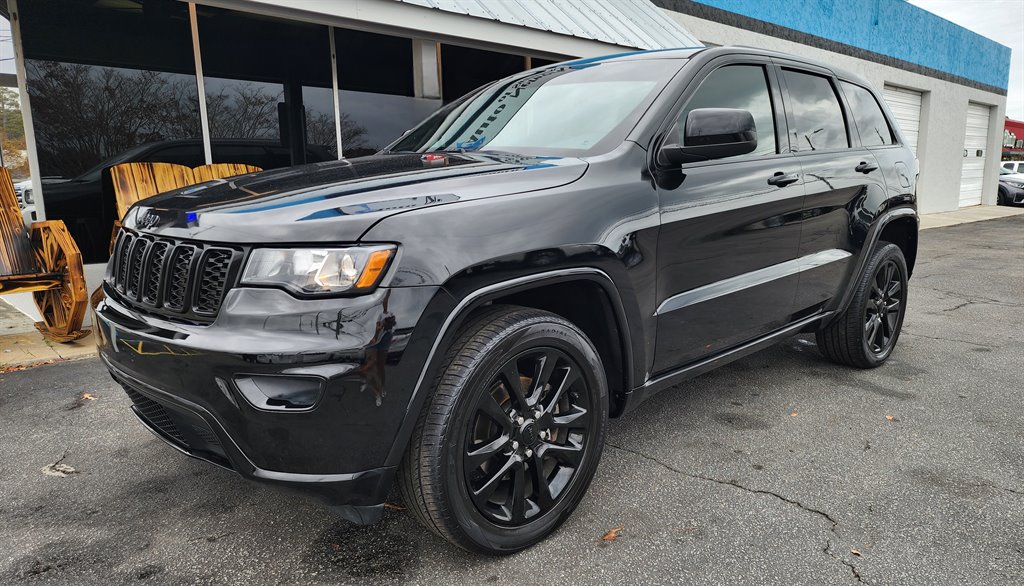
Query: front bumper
x,y
186,385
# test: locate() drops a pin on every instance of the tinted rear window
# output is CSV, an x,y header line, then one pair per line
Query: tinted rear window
x,y
818,118
874,130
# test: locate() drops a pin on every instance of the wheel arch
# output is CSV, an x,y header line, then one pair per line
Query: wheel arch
x,y
902,231
537,291
900,223
595,310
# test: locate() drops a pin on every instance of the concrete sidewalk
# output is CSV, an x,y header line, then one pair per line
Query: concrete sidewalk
x,y
22,345
967,215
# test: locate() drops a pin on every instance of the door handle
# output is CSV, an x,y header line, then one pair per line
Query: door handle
x,y
865,167
781,179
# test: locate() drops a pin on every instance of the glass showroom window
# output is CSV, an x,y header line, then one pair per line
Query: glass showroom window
x,y
268,89
107,83
376,90
464,69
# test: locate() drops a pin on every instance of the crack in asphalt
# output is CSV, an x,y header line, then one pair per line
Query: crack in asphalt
x,y
961,306
833,524
972,298
1003,488
943,339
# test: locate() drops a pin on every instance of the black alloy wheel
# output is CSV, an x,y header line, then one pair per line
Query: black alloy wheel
x,y
884,309
527,438
866,332
512,433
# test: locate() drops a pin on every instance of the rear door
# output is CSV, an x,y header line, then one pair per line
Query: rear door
x,y
841,180
878,134
730,227
972,174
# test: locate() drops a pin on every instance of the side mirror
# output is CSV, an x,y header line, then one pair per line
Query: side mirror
x,y
712,133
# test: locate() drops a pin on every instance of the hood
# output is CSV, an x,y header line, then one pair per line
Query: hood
x,y
338,201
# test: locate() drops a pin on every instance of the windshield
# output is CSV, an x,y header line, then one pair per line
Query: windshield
x,y
573,110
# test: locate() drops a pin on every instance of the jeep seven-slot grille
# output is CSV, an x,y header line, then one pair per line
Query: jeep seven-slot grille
x,y
175,278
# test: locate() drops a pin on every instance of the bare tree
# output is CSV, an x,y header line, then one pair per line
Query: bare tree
x,y
243,110
85,114
320,131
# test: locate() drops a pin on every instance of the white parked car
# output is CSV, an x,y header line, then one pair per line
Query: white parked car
x,y
26,201
1013,166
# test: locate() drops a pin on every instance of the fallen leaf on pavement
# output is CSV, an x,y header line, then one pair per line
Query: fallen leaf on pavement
x,y
612,534
89,397
393,507
20,367
59,470
793,414
855,552
891,418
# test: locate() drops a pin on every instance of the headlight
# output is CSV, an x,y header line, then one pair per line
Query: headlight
x,y
318,271
1016,184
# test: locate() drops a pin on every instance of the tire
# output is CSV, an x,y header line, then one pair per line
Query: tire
x,y
1004,198
473,409
850,338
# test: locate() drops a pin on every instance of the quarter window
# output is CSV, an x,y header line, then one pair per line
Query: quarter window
x,y
874,130
818,118
743,87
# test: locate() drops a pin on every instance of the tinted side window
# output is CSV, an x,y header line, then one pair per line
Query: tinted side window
x,y
190,155
818,118
874,130
247,154
744,87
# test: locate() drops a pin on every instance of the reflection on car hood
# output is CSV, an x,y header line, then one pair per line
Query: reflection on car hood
x,y
339,200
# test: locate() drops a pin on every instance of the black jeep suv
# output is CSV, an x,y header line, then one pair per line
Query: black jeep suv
x,y
462,312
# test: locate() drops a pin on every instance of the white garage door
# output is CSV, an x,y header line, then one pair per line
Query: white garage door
x,y
975,152
906,107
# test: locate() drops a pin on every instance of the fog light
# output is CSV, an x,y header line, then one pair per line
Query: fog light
x,y
280,393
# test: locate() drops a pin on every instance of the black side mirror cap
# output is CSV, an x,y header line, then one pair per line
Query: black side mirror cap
x,y
712,133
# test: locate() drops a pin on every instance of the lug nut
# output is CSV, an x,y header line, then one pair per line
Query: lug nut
x,y
544,435
529,453
520,420
537,414
515,445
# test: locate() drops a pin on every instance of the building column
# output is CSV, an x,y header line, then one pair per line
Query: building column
x,y
26,111
426,68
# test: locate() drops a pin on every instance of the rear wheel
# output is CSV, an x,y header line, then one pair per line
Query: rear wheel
x,y
1004,197
865,334
512,434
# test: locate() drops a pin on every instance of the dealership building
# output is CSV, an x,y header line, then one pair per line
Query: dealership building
x,y
283,82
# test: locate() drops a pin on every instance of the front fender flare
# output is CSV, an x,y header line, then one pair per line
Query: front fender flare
x,y
475,299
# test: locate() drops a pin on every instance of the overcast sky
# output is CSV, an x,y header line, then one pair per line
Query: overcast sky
x,y
1000,20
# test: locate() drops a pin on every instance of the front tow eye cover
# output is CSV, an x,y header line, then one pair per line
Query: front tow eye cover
x,y
280,393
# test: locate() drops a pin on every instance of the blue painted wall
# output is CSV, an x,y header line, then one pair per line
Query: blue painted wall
x,y
889,27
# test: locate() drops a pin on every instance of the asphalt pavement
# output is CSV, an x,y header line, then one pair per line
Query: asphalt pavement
x,y
781,468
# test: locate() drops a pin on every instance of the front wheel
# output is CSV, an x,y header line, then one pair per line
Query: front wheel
x,y
865,334
511,436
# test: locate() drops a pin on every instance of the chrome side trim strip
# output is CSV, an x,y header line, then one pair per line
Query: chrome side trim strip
x,y
751,279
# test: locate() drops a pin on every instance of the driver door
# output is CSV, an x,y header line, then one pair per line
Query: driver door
x,y
730,228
